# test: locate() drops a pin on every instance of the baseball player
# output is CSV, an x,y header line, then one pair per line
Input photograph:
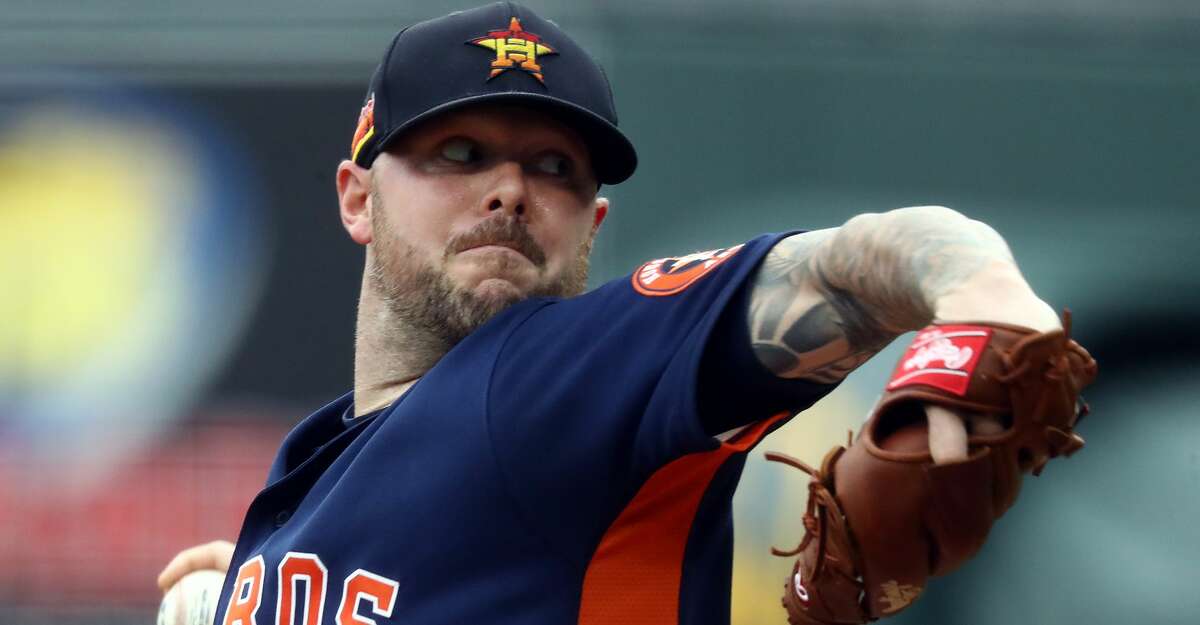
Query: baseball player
x,y
516,450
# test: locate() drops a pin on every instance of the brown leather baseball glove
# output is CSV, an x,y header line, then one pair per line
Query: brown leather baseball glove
x,y
882,517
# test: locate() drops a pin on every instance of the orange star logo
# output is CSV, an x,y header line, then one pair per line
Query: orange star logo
x,y
515,48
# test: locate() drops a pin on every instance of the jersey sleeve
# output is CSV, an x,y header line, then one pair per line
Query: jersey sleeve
x,y
594,393
733,387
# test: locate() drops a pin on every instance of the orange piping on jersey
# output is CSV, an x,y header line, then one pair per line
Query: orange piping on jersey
x,y
635,573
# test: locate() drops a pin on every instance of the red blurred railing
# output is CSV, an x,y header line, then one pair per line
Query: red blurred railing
x,y
107,545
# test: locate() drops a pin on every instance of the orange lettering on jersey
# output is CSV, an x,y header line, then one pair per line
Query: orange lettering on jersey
x,y
295,568
379,591
668,276
247,593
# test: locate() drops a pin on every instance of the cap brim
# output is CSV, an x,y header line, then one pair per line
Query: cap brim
x,y
613,156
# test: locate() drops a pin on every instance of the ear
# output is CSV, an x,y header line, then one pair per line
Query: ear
x,y
601,211
354,201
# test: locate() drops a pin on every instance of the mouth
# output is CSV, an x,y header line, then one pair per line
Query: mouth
x,y
500,237
498,246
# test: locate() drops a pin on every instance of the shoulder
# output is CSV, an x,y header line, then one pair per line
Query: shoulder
x,y
671,275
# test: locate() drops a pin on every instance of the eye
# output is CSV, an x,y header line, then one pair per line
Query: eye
x,y
461,150
553,163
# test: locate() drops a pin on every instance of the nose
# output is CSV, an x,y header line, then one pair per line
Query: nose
x,y
509,192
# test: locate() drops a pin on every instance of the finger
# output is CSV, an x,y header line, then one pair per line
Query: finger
x,y
947,435
984,424
215,555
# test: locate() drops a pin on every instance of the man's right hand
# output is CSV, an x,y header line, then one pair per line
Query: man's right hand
x,y
209,556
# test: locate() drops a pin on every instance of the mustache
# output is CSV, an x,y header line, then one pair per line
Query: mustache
x,y
505,231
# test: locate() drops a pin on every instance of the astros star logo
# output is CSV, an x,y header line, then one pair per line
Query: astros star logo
x,y
516,48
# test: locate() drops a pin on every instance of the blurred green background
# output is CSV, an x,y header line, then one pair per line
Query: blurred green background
x,y
176,290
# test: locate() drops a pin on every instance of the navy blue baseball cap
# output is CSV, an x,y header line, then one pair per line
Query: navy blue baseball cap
x,y
502,52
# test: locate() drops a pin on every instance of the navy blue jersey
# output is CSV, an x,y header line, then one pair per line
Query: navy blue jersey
x,y
554,467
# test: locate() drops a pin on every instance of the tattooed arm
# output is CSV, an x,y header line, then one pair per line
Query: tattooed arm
x,y
823,302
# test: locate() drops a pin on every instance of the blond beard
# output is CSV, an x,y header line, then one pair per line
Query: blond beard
x,y
429,310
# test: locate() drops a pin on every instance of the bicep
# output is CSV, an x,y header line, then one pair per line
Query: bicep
x,y
802,324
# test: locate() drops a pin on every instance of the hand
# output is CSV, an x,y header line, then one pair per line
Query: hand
x,y
998,293
209,556
948,431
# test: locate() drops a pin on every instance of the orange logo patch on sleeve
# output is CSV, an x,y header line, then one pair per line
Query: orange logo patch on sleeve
x,y
668,276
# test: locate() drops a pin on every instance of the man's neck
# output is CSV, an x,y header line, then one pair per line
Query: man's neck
x,y
389,355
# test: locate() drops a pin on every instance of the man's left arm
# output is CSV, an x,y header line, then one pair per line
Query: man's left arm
x,y
916,493
823,302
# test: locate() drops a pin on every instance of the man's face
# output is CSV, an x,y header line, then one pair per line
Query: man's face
x,y
477,210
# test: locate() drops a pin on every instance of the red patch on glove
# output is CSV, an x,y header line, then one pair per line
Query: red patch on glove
x,y
942,357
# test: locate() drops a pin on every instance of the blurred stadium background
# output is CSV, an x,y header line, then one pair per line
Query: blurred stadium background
x,y
176,291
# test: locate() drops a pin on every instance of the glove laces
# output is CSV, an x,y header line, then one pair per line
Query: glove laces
x,y
822,508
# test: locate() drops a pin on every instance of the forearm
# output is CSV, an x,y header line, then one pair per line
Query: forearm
x,y
909,266
826,301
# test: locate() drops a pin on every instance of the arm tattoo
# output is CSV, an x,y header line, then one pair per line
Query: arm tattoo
x,y
826,301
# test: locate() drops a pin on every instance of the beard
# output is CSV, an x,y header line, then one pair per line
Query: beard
x,y
426,303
